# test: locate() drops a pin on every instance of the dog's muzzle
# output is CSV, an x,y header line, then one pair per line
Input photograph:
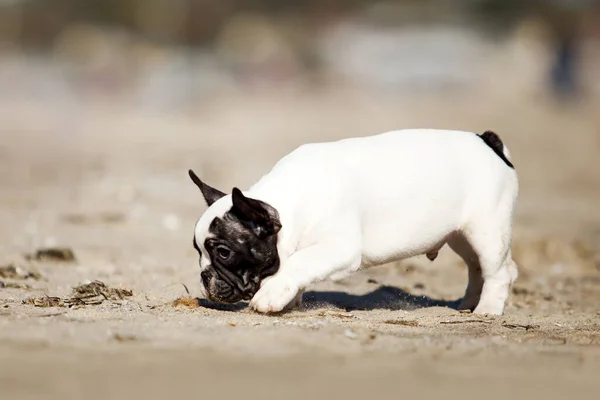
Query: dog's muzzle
x,y
221,290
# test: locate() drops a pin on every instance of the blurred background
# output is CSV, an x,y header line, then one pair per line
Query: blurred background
x,y
177,54
105,104
185,51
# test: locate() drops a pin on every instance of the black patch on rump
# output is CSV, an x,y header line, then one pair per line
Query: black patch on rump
x,y
242,247
495,143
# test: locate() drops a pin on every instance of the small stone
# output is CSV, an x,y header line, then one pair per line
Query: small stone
x,y
350,334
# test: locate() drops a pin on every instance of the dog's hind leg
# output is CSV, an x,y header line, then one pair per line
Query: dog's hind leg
x,y
485,247
461,246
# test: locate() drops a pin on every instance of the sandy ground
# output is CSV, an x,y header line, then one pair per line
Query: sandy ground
x,y
110,183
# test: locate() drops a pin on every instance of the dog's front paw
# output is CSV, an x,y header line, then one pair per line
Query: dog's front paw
x,y
274,295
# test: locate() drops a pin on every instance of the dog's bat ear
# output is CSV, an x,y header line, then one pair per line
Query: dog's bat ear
x,y
210,194
256,215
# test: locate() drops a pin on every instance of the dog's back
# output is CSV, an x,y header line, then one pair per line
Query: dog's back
x,y
394,183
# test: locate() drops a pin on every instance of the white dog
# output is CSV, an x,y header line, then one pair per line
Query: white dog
x,y
327,209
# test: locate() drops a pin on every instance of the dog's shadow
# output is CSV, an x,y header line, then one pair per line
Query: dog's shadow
x,y
222,307
383,298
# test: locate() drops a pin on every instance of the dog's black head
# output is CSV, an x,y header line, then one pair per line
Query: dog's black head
x,y
236,239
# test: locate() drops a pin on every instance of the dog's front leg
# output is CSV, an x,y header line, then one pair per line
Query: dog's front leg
x,y
304,267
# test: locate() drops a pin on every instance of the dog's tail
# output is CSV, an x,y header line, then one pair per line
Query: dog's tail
x,y
495,143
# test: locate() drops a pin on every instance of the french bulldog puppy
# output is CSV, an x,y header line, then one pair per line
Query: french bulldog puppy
x,y
327,209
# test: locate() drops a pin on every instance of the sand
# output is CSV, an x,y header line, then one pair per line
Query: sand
x,y
110,183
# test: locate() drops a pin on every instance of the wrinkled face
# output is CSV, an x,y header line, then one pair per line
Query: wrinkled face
x,y
236,239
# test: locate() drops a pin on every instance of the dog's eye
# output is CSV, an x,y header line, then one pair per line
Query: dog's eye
x,y
223,252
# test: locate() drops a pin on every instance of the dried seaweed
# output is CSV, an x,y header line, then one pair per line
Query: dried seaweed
x,y
335,314
527,327
124,337
402,322
466,321
44,301
55,254
15,285
12,272
186,301
92,293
